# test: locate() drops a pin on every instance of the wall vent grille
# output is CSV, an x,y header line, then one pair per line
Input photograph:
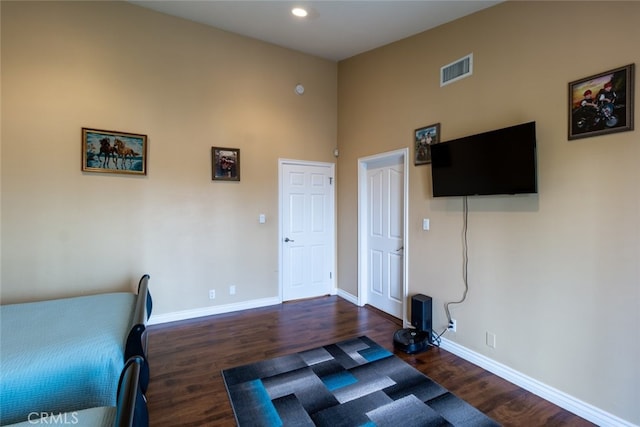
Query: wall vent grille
x,y
457,70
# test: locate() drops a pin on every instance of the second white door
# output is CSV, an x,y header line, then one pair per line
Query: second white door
x,y
385,237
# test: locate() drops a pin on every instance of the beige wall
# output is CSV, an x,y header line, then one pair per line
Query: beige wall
x,y
112,65
555,276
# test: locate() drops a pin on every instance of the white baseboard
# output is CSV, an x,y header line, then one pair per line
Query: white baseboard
x,y
209,311
349,297
563,400
229,308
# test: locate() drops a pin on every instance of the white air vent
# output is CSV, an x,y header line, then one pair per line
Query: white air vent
x,y
457,70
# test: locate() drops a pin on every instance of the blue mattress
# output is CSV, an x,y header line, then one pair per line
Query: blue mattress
x,y
62,355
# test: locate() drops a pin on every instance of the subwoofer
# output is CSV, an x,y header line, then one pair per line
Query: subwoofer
x,y
421,313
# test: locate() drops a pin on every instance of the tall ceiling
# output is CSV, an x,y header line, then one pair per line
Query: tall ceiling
x,y
333,30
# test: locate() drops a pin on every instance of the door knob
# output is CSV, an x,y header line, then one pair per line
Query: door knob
x,y
286,239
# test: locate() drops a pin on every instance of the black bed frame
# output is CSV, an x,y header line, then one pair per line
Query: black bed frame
x,y
131,403
134,380
136,344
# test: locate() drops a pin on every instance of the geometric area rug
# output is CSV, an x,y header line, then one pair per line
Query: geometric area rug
x,y
350,383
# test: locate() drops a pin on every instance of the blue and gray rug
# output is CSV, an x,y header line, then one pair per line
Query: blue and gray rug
x,y
350,383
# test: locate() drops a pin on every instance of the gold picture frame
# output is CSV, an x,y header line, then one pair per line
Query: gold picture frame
x,y
106,151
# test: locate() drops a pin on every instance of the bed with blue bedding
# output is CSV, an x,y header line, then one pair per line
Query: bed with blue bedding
x,y
66,355
131,409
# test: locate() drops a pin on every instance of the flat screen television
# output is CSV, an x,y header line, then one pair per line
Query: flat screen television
x,y
501,161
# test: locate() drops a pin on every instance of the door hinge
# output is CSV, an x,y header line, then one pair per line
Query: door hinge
x,y
330,180
330,275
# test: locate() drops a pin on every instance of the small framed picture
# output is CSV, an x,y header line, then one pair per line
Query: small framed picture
x,y
602,103
114,152
225,164
424,138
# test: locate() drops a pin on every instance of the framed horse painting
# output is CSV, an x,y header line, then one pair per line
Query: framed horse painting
x,y
225,164
114,152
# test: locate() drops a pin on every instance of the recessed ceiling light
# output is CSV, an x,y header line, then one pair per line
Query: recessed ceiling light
x,y
299,12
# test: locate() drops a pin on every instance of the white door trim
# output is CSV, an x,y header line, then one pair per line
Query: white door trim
x,y
364,163
332,225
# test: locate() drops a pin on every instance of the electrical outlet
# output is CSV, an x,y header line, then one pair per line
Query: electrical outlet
x,y
212,294
452,325
232,289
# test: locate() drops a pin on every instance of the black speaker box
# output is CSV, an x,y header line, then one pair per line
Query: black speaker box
x,y
421,313
419,339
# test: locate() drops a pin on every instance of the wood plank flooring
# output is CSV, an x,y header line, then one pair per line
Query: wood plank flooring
x,y
186,386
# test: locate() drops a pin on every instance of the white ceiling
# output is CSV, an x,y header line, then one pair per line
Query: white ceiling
x,y
333,30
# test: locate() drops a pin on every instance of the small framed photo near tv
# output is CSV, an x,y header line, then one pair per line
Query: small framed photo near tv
x,y
602,103
424,138
225,164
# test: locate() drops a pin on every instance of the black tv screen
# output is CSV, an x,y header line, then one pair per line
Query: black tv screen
x,y
501,161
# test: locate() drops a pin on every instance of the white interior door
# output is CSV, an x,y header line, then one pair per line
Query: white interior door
x,y
382,229
307,229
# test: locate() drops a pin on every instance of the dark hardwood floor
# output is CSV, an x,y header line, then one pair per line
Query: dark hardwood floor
x,y
186,386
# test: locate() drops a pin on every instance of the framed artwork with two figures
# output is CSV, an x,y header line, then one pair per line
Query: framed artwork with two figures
x,y
424,138
602,103
225,164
